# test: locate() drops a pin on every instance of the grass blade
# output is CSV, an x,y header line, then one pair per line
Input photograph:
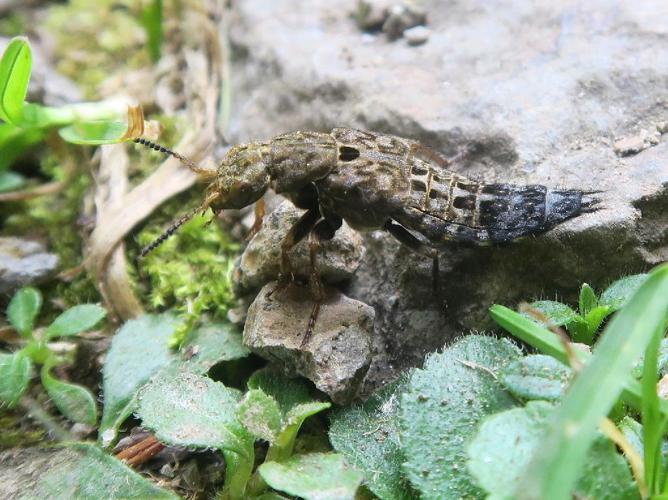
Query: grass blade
x,y
554,470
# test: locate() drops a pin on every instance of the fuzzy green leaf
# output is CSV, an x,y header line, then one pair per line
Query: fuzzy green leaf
x,y
15,374
138,350
288,392
441,407
186,409
505,443
75,320
314,476
23,310
211,344
76,470
620,291
95,133
260,415
536,377
587,300
557,313
368,436
15,69
594,318
74,401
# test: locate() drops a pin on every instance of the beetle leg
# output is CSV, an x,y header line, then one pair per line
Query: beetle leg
x,y
322,231
296,233
259,218
405,237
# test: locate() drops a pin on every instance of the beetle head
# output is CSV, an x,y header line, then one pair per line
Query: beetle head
x,y
243,176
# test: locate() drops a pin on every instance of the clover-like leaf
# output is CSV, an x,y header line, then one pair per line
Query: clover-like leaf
x,y
314,476
74,401
15,374
75,320
23,309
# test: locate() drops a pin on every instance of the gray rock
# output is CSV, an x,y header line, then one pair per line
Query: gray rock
x,y
23,262
538,95
391,16
338,354
337,260
417,35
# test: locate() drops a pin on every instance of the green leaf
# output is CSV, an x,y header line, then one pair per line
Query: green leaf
x,y
76,320
579,330
10,181
76,470
186,409
152,21
314,476
536,377
211,344
441,407
368,436
594,318
619,292
295,402
505,443
15,68
94,133
260,415
74,401
554,470
15,374
138,350
587,299
557,313
23,309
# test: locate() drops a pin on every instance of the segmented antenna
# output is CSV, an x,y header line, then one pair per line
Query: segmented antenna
x,y
187,162
168,232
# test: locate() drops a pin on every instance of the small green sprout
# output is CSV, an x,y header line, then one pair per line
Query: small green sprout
x,y
26,123
592,310
16,369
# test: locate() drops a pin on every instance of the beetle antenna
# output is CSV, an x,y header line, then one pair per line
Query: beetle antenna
x,y
177,224
186,161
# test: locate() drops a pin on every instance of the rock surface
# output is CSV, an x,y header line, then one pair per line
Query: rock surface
x,y
338,258
538,92
23,262
338,354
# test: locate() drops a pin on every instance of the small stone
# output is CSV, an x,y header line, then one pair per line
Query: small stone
x,y
662,127
338,258
402,17
417,35
628,146
338,353
23,262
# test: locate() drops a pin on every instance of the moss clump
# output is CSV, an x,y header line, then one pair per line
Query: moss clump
x,y
90,36
190,271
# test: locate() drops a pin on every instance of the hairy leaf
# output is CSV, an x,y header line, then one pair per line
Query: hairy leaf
x,y
75,320
74,401
536,377
15,374
23,309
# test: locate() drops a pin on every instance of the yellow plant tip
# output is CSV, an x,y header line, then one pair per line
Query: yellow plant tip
x,y
135,123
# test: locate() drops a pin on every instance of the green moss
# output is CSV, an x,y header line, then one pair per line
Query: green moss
x,y
13,24
191,270
96,39
15,434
